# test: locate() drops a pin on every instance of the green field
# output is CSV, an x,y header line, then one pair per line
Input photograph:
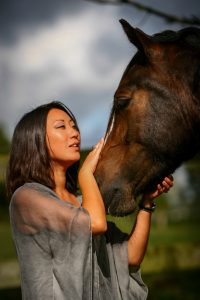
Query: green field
x,y
171,267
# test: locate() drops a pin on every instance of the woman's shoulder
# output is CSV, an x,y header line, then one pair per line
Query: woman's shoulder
x,y
38,204
30,190
34,186
33,194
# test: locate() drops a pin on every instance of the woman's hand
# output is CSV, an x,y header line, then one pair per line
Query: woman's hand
x,y
163,187
92,199
137,243
91,160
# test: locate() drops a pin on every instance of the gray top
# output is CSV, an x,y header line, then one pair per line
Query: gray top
x,y
58,256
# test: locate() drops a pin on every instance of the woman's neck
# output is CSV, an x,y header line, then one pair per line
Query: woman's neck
x,y
60,180
60,187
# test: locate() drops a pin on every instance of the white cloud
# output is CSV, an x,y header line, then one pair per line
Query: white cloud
x,y
78,58
57,60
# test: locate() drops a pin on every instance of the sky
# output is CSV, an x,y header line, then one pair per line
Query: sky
x,y
73,51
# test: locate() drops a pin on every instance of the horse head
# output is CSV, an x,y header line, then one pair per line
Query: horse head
x,y
154,123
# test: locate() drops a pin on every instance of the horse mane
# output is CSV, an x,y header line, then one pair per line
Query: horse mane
x,y
189,36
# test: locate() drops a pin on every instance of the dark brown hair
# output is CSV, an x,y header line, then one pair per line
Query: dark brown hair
x,y
29,157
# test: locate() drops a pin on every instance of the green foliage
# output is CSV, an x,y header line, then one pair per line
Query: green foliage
x,y
84,153
174,285
3,198
7,252
4,141
171,268
10,294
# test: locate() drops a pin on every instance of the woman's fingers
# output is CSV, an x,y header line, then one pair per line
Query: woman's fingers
x,y
167,183
163,187
97,148
99,145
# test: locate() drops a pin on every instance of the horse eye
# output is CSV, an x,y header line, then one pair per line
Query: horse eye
x,y
122,102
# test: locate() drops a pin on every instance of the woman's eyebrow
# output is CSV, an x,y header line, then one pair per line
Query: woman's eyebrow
x,y
60,120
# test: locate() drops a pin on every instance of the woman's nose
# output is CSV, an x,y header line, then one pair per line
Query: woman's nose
x,y
75,133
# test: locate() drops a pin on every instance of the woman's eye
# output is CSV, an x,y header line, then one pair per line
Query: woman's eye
x,y
61,126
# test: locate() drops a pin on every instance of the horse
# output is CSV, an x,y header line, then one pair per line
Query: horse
x,y
154,123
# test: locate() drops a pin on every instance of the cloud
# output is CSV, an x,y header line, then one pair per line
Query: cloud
x,y
15,16
73,51
64,62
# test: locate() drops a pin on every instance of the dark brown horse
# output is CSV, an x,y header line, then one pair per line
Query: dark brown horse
x,y
155,120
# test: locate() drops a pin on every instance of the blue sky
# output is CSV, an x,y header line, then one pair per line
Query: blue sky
x,y
72,51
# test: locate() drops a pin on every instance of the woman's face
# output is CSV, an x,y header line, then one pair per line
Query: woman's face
x,y
63,139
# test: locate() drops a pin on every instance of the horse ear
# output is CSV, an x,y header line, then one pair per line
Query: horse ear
x,y
141,40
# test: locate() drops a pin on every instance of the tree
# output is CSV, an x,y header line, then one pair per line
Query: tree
x,y
193,20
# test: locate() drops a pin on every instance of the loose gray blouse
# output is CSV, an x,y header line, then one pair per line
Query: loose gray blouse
x,y
58,256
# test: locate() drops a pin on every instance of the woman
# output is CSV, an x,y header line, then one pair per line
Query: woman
x,y
64,248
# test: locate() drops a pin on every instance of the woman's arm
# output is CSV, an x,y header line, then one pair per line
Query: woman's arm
x,y
137,243
92,199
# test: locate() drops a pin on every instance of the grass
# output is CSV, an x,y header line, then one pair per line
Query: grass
x,y
173,246
173,285
176,285
176,233
171,268
10,293
7,251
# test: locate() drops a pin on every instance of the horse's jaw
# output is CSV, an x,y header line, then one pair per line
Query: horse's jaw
x,y
121,193
118,197
122,203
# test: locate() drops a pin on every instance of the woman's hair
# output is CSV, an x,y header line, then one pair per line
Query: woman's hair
x,y
29,157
